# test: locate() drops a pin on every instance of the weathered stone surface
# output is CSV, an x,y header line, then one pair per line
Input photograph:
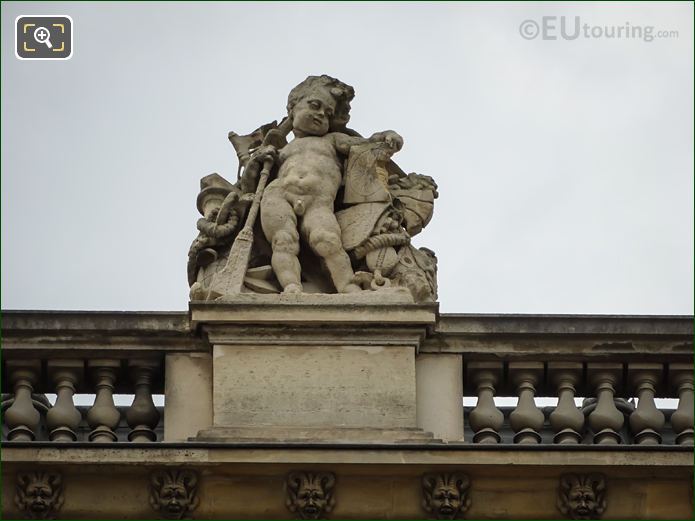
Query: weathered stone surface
x,y
439,392
623,461
188,391
302,310
325,436
350,386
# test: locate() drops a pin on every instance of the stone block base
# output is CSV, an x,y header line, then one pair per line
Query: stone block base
x,y
315,435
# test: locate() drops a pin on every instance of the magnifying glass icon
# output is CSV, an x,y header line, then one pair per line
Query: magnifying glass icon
x,y
43,35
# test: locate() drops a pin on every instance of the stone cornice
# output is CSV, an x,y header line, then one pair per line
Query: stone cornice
x,y
500,336
197,453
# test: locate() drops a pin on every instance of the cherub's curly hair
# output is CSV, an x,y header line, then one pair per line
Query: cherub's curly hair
x,y
342,92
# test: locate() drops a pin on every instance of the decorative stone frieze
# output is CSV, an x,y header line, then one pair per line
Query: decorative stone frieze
x,y
446,495
39,494
582,496
173,493
310,495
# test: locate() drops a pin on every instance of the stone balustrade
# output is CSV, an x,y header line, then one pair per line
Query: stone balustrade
x,y
570,380
606,415
28,415
603,375
96,356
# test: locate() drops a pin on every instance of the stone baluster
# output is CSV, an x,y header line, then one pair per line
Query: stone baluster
x,y
142,416
103,417
526,420
681,379
21,417
605,420
63,418
486,419
646,421
566,420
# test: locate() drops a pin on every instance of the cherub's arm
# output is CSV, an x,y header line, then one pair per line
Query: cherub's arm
x,y
343,142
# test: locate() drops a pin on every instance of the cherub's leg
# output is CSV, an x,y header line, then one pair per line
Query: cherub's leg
x,y
322,232
280,228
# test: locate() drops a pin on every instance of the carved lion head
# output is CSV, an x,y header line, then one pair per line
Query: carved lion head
x,y
309,495
39,494
446,495
582,496
173,493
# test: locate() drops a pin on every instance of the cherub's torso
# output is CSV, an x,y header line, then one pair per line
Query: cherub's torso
x,y
310,166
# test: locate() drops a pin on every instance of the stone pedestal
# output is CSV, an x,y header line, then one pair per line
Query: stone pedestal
x,y
313,368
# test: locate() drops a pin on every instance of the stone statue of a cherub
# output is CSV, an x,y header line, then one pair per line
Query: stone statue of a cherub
x,y
326,212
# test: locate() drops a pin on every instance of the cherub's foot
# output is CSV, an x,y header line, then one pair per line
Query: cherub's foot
x,y
293,288
351,288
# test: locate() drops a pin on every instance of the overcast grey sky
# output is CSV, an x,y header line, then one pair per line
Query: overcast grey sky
x,y
565,167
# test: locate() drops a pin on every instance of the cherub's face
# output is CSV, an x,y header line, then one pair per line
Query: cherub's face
x,y
40,498
311,502
311,116
174,499
582,502
446,502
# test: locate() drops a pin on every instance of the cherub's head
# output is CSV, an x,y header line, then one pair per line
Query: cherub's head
x,y
319,104
445,495
582,496
173,493
310,496
39,494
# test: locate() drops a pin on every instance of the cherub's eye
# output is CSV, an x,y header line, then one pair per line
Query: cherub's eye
x,y
314,105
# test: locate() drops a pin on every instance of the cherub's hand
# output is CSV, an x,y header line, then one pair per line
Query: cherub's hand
x,y
254,166
391,138
264,153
